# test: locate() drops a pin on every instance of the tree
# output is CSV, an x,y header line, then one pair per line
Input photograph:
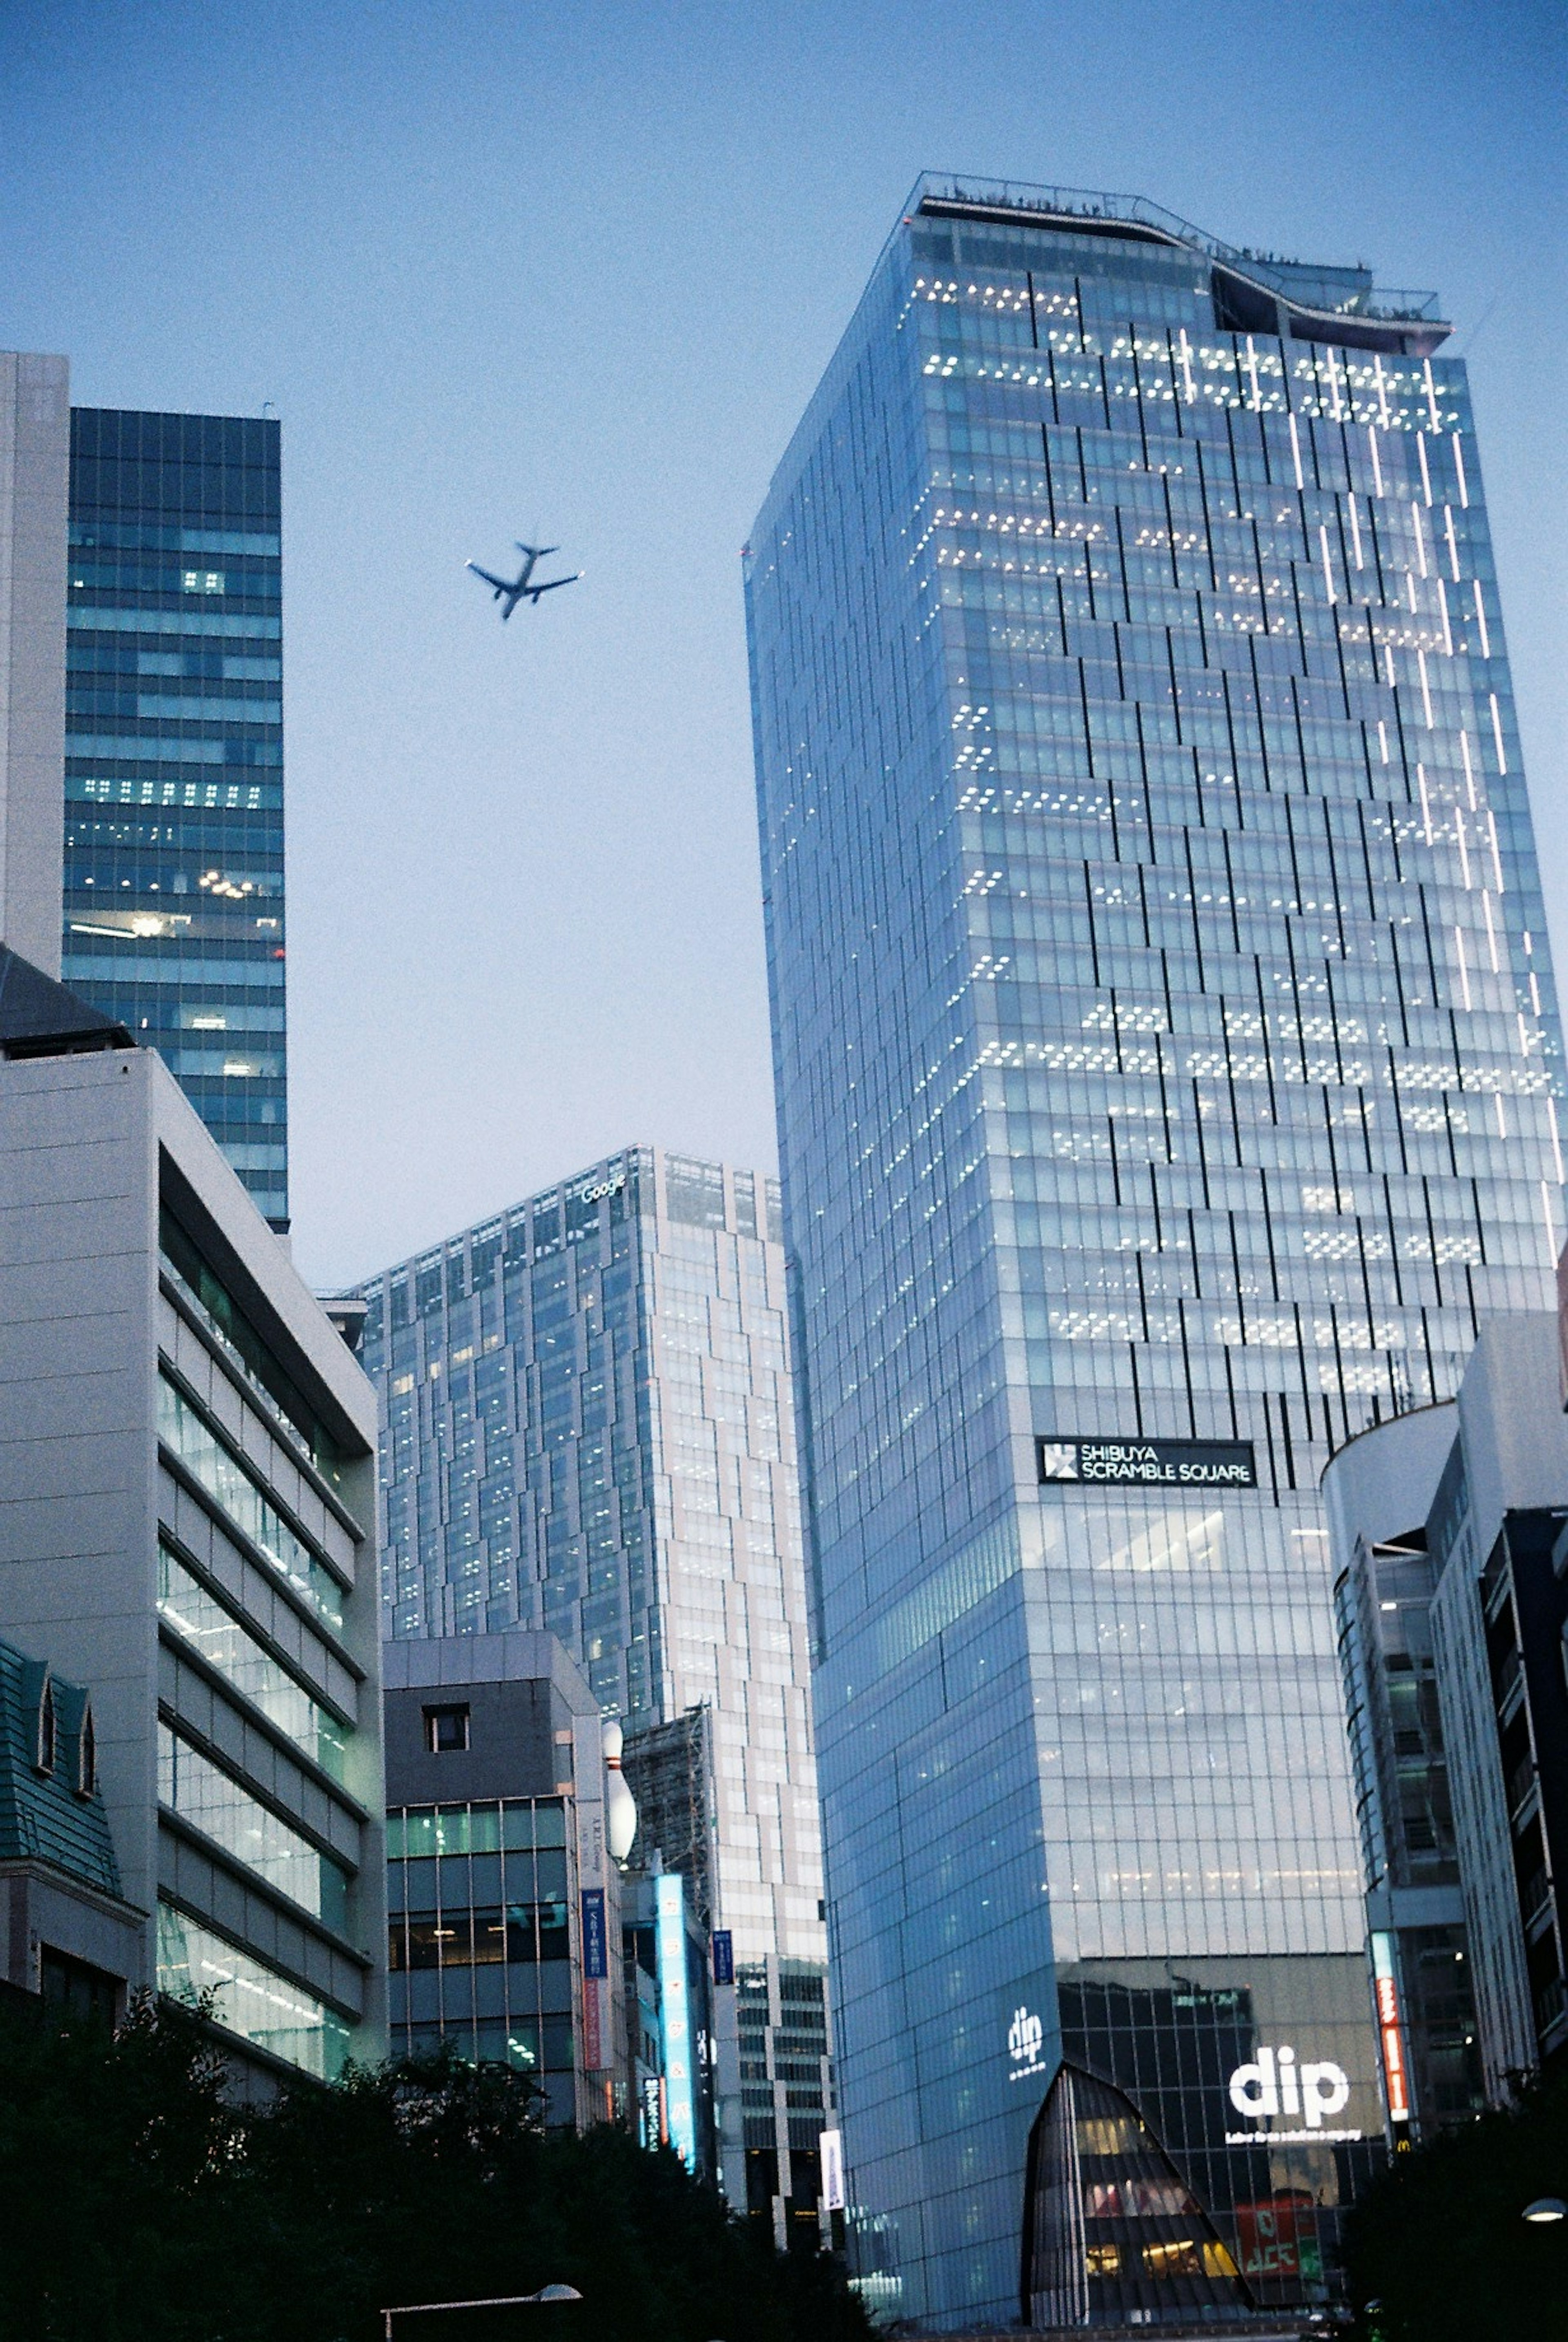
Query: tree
x,y
1439,2241
138,2204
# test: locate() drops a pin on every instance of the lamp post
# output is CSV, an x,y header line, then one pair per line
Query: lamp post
x,y
495,2301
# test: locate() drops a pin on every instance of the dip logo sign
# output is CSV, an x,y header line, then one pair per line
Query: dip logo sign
x,y
1025,2040
1276,2084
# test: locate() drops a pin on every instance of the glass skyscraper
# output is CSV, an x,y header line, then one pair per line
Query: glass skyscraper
x,y
1168,1064
587,1427
173,909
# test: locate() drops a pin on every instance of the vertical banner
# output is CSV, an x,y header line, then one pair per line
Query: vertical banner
x,y
1389,2034
595,1969
831,2151
723,1956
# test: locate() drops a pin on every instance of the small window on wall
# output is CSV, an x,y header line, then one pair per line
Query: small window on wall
x,y
43,1761
446,1729
87,1755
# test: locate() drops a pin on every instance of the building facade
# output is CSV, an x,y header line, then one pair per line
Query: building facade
x,y
66,1932
588,1427
34,465
174,761
1379,1491
1167,1064
503,1906
1483,1487
187,1523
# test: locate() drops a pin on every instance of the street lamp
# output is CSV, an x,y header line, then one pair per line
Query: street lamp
x,y
496,2301
1545,2209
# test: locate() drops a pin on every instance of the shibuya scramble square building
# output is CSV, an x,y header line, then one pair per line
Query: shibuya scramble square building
x,y
1167,1061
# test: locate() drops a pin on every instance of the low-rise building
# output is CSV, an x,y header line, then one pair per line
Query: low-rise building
x,y
504,1902
66,1929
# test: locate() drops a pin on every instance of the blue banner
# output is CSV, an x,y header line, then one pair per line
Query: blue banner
x,y
723,1957
596,1949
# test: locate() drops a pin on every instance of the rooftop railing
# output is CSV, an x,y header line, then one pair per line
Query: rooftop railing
x,y
1136,211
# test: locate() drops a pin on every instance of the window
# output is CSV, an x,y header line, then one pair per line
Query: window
x,y
45,1759
87,1755
446,1729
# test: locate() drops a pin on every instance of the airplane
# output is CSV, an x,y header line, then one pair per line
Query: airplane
x,y
512,590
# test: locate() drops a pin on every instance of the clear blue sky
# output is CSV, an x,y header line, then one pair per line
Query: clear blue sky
x,y
572,271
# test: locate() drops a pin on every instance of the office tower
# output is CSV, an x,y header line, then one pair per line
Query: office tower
x,y
186,1490
1481,1489
1167,1058
588,1427
35,462
174,872
1378,1491
503,1909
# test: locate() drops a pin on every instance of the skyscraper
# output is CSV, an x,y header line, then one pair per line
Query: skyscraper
x,y
1168,1058
587,1427
173,910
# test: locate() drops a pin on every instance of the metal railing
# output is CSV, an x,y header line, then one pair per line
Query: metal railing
x,y
1136,211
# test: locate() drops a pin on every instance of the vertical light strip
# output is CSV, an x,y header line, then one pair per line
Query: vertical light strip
x,y
1497,734
1376,459
1491,932
1464,847
1452,541
1189,393
1464,969
1425,687
1416,523
1351,503
1338,408
1556,1140
1432,398
1496,858
1425,474
1327,565
1553,1246
1425,805
1502,1117
1379,378
1481,620
1459,467
1296,452
1443,608
1252,377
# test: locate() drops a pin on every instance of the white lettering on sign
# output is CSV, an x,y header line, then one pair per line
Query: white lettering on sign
x,y
596,1193
1276,2083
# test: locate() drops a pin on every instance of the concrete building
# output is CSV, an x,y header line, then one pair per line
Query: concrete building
x,y
504,1904
1476,1495
1169,1074
588,1426
35,464
186,1525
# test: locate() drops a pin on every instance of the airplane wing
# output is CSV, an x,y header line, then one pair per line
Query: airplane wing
x,y
502,585
533,591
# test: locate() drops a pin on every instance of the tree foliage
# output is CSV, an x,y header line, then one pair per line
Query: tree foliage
x,y
1440,2244
137,2200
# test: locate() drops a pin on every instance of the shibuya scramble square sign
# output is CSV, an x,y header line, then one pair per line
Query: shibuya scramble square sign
x,y
1147,1463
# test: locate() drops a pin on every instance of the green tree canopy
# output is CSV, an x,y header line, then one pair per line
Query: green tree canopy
x,y
138,2203
1440,2243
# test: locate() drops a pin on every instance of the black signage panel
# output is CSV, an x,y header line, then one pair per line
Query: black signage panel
x,y
1147,1463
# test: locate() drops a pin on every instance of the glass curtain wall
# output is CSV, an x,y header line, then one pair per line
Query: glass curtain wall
x,y
1168,1065
174,761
